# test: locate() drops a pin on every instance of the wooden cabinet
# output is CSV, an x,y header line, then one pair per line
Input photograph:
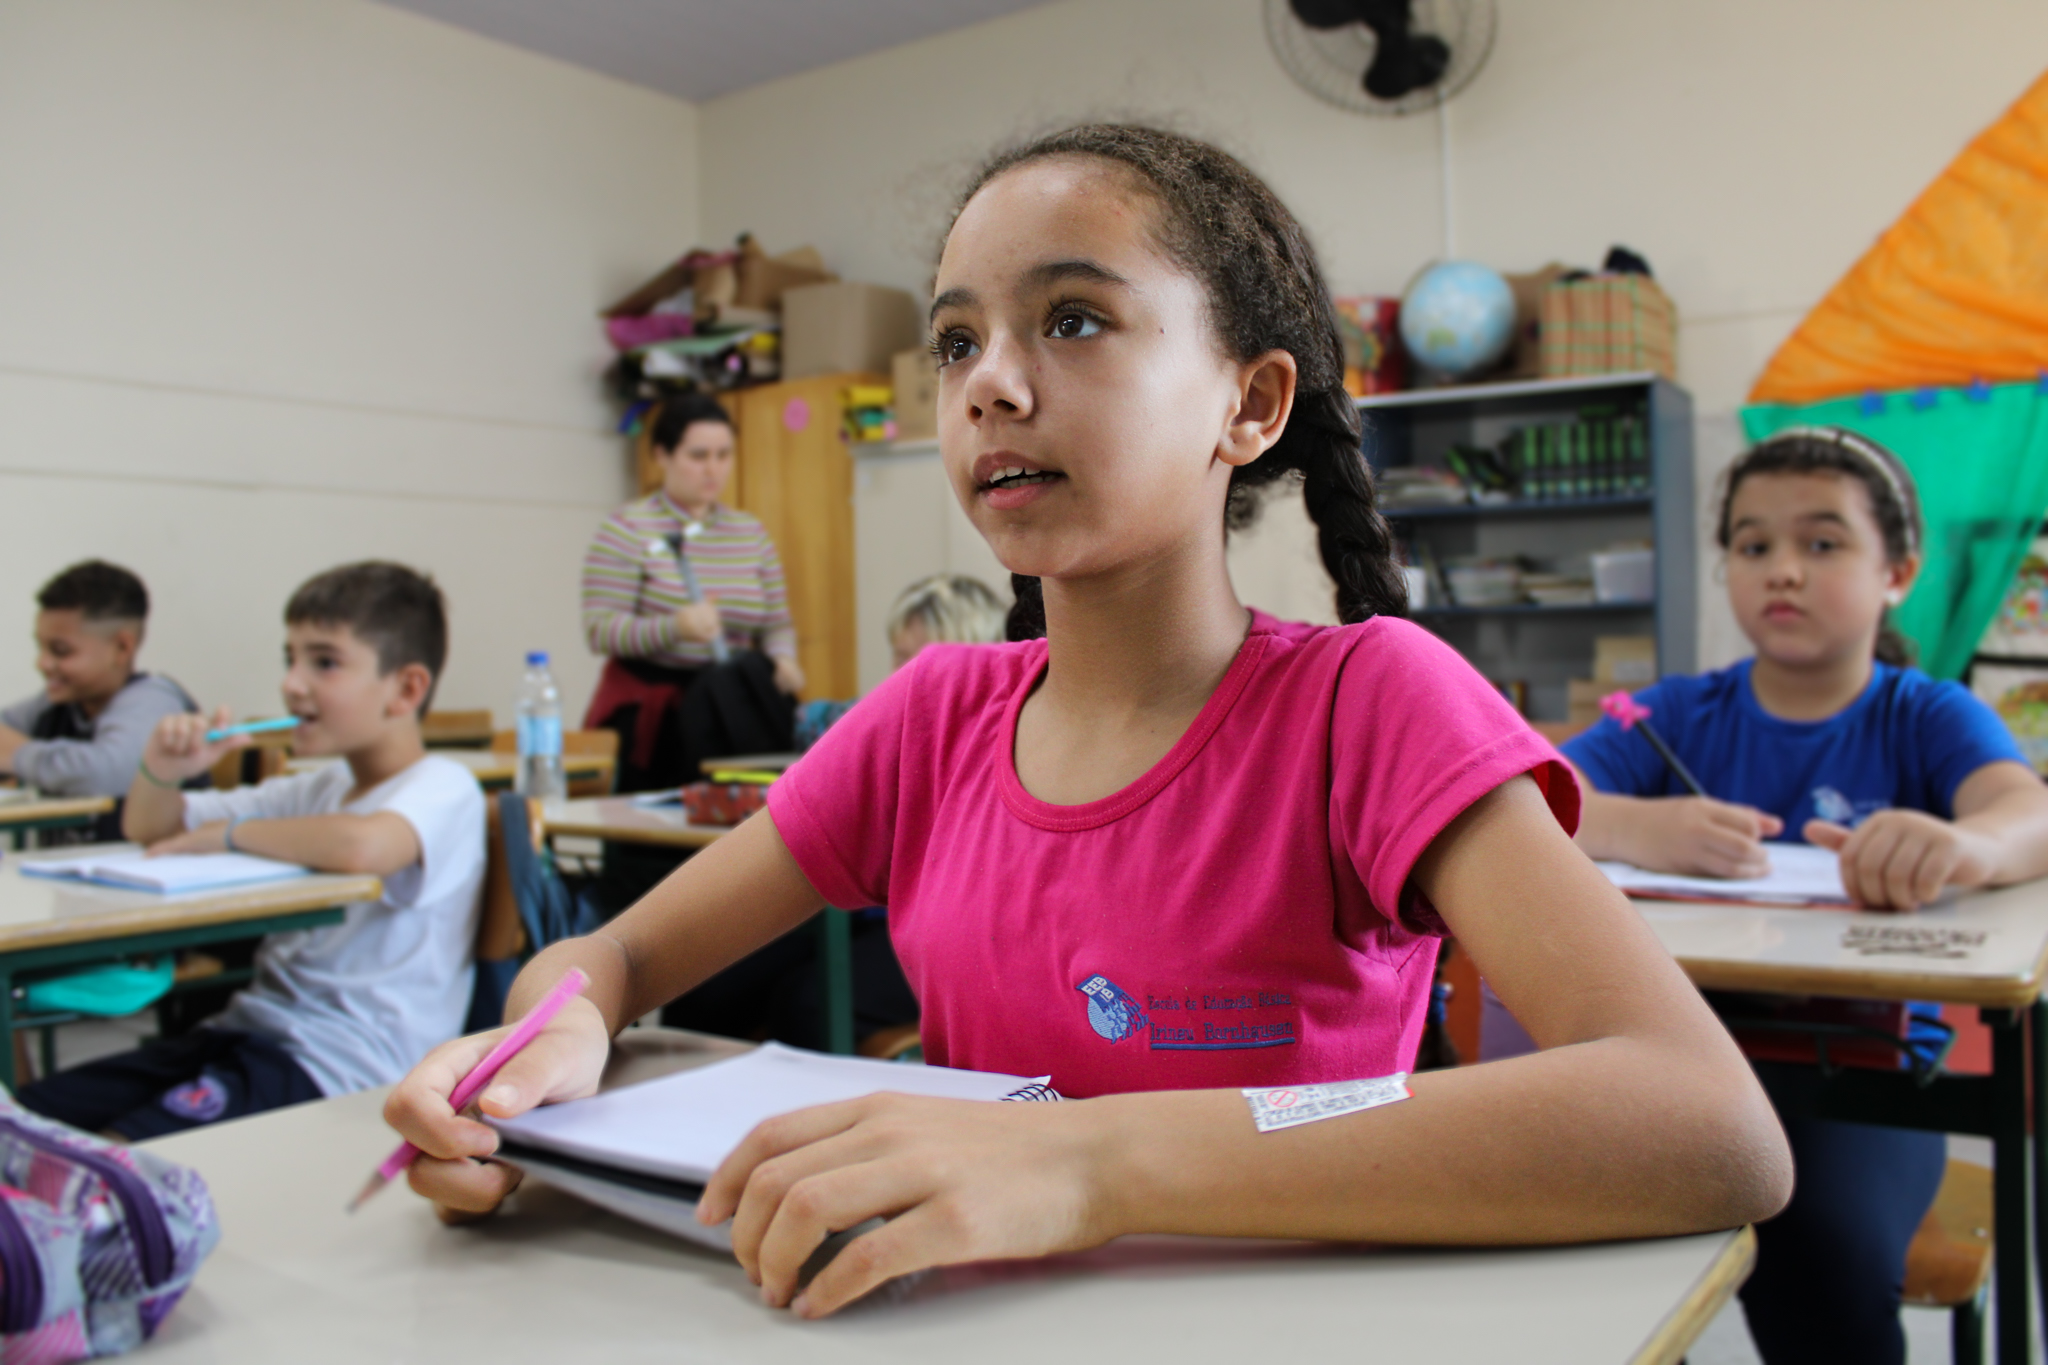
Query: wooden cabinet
x,y
796,474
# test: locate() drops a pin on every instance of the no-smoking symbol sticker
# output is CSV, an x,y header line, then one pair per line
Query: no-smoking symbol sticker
x,y
1283,1099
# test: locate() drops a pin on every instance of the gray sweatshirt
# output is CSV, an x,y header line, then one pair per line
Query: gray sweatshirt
x,y
102,761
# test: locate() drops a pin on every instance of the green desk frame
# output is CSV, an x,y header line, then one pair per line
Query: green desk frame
x,y
22,964
18,831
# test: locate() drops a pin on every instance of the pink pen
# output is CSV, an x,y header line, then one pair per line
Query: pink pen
x,y
480,1075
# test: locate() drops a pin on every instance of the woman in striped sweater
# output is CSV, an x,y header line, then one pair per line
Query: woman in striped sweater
x,y
685,597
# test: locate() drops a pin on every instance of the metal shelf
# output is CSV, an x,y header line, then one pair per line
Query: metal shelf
x,y
1514,388
1527,507
1538,609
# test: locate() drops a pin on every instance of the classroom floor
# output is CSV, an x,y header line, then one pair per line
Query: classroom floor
x,y
1725,1342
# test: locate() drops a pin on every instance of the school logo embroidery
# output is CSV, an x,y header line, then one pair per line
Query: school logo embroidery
x,y
1834,807
1111,1010
201,1101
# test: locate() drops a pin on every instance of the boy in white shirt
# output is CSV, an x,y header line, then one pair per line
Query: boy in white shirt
x,y
347,1006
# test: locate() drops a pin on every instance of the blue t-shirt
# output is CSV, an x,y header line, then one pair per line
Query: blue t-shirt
x,y
1907,743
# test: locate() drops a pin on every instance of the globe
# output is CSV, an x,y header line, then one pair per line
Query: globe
x,y
1458,318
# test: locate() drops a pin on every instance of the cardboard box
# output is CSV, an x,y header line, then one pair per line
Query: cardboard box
x,y
1625,661
845,327
916,377
1583,702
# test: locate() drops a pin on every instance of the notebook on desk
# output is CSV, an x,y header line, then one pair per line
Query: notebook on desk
x,y
172,874
644,1152
1801,874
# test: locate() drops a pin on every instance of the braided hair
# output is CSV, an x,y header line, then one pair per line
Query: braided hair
x,y
1894,501
1221,224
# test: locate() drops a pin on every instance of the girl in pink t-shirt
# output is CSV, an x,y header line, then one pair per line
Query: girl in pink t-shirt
x,y
1172,849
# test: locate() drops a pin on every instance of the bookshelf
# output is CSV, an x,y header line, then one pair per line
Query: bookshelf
x,y
1544,647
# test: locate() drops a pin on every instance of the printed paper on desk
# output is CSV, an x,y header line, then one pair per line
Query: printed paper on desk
x,y
682,1126
1800,874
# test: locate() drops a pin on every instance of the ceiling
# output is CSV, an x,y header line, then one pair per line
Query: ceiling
x,y
700,49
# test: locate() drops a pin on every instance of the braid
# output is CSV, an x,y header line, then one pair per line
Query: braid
x,y
1223,225
1027,614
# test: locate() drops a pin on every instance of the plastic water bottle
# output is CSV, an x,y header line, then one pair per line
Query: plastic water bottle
x,y
540,732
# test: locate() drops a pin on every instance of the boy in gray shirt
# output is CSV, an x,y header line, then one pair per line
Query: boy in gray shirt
x,y
83,734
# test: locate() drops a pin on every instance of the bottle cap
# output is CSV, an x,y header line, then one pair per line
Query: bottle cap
x,y
537,658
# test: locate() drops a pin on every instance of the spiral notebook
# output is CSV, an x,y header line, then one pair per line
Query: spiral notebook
x,y
644,1152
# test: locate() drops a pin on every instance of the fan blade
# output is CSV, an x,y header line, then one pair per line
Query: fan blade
x,y
1406,63
1326,13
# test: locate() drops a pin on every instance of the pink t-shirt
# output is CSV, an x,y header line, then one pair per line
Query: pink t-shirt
x,y
1235,917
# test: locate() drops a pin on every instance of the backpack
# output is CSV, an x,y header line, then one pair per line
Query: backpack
x,y
98,1242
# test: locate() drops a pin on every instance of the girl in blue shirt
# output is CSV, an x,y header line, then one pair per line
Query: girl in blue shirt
x,y
1824,736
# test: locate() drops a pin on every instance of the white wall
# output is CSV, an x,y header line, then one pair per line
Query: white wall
x,y
285,283
1750,148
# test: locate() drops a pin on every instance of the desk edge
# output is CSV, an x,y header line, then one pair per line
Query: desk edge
x,y
1995,992
1681,1327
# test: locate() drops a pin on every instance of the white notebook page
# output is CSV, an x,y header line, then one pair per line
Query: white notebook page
x,y
1800,874
682,1126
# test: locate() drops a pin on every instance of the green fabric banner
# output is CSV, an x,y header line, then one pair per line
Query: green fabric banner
x,y
1981,462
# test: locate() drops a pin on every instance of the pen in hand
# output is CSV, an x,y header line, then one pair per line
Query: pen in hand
x,y
470,1086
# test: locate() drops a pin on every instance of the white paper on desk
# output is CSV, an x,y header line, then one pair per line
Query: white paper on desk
x,y
682,1126
171,874
1801,874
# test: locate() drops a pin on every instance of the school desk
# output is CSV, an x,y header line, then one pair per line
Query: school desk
x,y
551,1279
621,820
494,771
48,925
1988,950
750,763
20,816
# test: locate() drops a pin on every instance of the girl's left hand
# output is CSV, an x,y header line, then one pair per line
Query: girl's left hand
x,y
789,676
1901,859
211,837
958,1181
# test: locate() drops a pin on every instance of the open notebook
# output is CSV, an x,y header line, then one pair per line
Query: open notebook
x,y
172,874
1800,874
644,1152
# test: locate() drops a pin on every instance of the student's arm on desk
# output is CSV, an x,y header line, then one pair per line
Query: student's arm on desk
x,y
11,741
1694,835
1902,859
1639,1119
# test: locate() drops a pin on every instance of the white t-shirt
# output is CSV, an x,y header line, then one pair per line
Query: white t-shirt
x,y
357,1004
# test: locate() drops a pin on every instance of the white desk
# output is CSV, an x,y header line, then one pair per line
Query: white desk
x,y
24,811
622,820
48,924
1988,949
553,1280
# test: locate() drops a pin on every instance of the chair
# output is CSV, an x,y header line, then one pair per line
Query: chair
x,y
1948,1264
604,743
526,904
457,729
898,1043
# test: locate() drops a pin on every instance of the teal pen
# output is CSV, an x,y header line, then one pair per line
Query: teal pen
x,y
252,727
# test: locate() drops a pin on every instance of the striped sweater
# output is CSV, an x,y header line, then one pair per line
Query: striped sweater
x,y
632,587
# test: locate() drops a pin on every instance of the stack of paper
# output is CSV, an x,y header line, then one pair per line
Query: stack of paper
x,y
645,1151
171,875
1800,874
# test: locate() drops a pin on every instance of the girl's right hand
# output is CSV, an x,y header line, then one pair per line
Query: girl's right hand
x,y
563,1062
1701,837
178,747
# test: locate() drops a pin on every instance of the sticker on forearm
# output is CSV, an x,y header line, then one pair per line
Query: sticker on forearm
x,y
1293,1105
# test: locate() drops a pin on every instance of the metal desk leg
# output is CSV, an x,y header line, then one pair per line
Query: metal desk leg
x,y
2037,1031
7,1076
835,931
2010,1159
